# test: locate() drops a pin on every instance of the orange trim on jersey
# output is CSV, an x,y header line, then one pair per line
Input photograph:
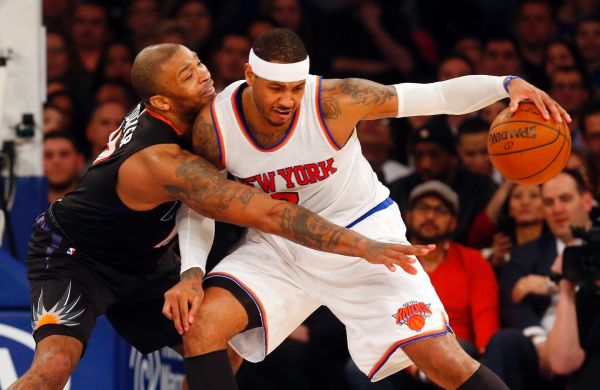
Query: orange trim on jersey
x,y
246,132
217,127
263,312
403,342
324,127
163,119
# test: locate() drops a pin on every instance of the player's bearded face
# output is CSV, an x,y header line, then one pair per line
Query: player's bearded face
x,y
277,101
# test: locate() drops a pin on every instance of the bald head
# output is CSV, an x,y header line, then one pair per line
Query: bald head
x,y
147,68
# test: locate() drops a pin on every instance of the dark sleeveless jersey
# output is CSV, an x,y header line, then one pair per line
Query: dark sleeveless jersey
x,y
94,217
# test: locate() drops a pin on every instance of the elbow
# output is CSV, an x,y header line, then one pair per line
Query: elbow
x,y
562,364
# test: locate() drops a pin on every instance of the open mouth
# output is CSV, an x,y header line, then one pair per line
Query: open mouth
x,y
283,114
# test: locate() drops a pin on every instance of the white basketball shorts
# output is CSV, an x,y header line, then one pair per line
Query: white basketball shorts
x,y
382,310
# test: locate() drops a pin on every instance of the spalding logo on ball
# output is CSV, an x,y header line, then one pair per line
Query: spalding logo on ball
x,y
526,148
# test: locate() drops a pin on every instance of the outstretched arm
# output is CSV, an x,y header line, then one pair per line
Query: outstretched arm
x,y
347,101
163,173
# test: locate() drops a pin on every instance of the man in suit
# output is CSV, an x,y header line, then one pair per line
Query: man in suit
x,y
527,294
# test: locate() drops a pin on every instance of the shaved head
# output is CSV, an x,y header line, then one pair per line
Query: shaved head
x,y
146,69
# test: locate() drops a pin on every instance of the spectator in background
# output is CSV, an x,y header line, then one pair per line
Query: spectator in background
x,y
569,88
434,158
229,60
194,16
141,20
117,61
59,58
53,119
587,40
376,142
257,26
450,67
572,11
372,48
113,91
471,145
89,32
470,47
573,343
63,164
590,130
500,57
53,14
513,217
106,118
462,278
170,31
65,103
560,54
535,28
527,295
490,112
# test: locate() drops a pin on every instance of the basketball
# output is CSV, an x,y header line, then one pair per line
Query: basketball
x,y
416,322
525,147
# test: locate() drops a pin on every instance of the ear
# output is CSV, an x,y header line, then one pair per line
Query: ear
x,y
249,74
588,201
453,224
160,102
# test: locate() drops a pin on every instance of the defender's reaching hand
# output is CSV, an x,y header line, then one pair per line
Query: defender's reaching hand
x,y
391,255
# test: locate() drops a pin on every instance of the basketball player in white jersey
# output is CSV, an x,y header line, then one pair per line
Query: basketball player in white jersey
x,y
292,135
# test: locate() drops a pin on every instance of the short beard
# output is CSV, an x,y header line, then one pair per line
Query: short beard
x,y
426,240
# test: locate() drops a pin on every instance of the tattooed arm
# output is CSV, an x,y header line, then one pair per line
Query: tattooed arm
x,y
163,173
347,101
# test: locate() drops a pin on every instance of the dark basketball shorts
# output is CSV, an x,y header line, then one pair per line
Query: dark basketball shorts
x,y
69,290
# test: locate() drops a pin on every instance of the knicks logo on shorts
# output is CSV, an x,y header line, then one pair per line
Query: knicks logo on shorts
x,y
62,313
413,315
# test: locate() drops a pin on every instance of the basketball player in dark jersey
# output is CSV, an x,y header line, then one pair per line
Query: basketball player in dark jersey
x,y
106,247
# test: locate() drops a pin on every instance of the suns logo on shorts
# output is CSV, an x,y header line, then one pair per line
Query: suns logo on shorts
x,y
413,315
60,314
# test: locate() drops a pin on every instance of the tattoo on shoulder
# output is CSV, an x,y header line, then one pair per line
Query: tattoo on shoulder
x,y
366,92
205,141
331,107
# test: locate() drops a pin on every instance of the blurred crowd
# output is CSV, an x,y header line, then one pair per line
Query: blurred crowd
x,y
497,242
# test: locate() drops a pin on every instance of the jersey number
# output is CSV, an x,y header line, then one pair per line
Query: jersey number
x,y
291,197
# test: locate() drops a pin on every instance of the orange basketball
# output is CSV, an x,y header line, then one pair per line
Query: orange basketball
x,y
416,322
526,148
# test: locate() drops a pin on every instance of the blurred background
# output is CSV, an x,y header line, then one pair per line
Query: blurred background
x,y
65,86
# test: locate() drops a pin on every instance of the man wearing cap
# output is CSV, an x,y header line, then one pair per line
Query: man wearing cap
x,y
434,156
463,279
291,134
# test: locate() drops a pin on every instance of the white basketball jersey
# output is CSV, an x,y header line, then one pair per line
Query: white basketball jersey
x,y
307,167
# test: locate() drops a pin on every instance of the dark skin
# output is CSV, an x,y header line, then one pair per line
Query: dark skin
x,y
268,108
166,173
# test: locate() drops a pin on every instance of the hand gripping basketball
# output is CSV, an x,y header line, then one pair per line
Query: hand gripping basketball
x,y
391,255
519,90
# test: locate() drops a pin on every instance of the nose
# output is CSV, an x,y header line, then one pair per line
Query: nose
x,y
286,99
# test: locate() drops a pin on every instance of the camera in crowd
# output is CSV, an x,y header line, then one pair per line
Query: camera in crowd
x,y
581,264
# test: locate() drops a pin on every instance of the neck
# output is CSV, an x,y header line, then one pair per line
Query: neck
x,y
528,232
56,193
181,124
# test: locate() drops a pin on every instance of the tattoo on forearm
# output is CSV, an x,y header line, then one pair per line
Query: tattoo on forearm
x,y
367,92
195,275
205,189
309,229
